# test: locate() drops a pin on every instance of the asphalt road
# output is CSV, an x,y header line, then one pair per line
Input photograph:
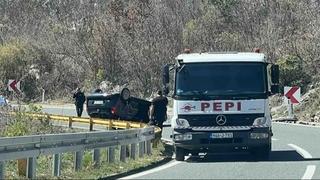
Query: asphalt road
x,y
67,110
295,155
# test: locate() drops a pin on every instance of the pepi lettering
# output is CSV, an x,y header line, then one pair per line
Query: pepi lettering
x,y
221,106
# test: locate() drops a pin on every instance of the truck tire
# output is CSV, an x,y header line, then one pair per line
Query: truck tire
x,y
179,154
262,153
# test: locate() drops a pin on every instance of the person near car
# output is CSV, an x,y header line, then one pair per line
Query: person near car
x,y
158,110
79,98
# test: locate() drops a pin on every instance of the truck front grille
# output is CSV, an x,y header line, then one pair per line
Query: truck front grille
x,y
210,119
220,141
221,128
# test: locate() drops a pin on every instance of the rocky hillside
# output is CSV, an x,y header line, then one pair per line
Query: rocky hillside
x,y
308,110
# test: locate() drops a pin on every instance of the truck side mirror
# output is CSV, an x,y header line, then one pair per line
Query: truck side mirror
x,y
165,79
165,74
275,89
165,90
275,74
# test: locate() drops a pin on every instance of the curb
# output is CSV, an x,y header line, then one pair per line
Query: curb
x,y
308,123
301,123
294,120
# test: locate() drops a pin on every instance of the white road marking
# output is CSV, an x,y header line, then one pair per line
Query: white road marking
x,y
152,170
306,155
275,139
309,172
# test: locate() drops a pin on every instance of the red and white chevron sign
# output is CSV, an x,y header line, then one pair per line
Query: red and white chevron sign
x,y
14,85
293,93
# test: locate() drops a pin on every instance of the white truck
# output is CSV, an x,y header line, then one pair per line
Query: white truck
x,y
220,102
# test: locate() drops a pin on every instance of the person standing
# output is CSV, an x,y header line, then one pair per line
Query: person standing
x,y
79,101
158,110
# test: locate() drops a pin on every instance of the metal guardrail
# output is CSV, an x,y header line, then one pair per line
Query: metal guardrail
x,y
109,123
30,147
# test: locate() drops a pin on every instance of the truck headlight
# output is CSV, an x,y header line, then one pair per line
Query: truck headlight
x,y
183,137
182,123
259,135
259,121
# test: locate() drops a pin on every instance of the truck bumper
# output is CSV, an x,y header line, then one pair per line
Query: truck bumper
x,y
241,140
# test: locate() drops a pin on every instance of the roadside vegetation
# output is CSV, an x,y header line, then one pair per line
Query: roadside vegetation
x,y
19,124
55,46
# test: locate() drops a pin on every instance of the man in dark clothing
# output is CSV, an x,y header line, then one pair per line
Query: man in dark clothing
x,y
79,101
158,110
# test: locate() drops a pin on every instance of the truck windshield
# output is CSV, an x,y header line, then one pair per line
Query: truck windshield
x,y
221,79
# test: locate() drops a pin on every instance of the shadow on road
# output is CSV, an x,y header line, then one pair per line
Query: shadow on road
x,y
275,156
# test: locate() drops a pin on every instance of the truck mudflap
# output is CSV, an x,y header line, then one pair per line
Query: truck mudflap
x,y
222,139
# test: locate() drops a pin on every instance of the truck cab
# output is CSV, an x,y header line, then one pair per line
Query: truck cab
x,y
220,102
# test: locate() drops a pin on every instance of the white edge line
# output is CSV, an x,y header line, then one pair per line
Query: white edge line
x,y
152,170
275,139
309,172
305,154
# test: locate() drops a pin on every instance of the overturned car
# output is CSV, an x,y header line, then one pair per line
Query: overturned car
x,y
118,106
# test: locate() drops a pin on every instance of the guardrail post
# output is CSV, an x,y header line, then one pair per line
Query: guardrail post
x,y
148,144
56,165
133,150
70,122
123,153
110,124
31,167
22,167
111,157
128,125
96,157
2,170
91,125
141,149
78,160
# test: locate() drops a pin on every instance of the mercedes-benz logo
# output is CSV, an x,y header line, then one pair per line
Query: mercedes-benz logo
x,y
221,120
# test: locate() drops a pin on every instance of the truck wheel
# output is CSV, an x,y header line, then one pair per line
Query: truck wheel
x,y
261,152
179,154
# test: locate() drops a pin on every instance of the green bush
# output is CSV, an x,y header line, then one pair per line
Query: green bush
x,y
292,72
20,124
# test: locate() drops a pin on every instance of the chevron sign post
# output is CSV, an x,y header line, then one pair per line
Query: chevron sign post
x,y
292,96
293,93
14,85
